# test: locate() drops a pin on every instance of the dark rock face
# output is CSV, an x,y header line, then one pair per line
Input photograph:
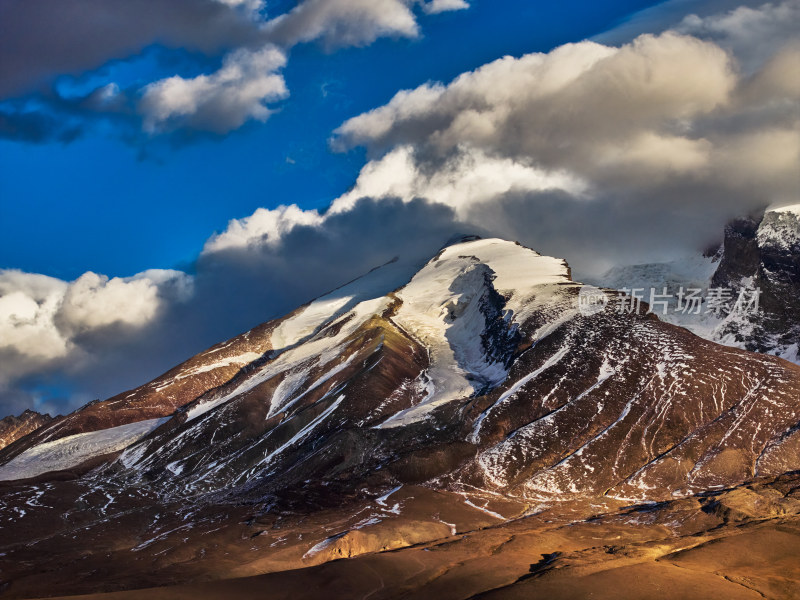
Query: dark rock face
x,y
346,428
741,256
13,428
501,336
764,253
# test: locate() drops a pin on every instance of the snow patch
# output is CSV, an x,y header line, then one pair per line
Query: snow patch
x,y
73,450
319,350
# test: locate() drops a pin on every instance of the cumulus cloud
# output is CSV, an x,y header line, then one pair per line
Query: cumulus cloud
x,y
340,23
668,121
464,179
265,227
222,101
592,109
94,301
249,79
28,306
666,128
344,22
47,323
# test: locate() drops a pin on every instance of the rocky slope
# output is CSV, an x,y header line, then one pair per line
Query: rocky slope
x,y
739,543
12,428
371,419
162,396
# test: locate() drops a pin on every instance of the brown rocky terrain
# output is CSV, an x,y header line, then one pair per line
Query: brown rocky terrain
x,y
734,543
12,428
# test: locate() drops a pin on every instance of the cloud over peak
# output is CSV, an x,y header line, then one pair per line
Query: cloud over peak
x,y
589,108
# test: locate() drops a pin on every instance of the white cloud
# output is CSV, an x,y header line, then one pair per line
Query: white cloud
x,y
94,301
468,178
344,22
28,305
661,110
43,318
253,46
564,110
249,80
439,6
251,5
222,101
263,227
617,125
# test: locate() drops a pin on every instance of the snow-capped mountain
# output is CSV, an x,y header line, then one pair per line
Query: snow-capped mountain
x,y
384,415
765,255
758,253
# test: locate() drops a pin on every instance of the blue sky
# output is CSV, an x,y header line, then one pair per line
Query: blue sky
x,y
168,177
99,205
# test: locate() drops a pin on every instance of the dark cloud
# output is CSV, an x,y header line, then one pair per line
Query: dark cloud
x,y
256,282
37,126
40,39
610,230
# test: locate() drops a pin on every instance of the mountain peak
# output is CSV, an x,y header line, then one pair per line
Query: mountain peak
x,y
402,407
466,305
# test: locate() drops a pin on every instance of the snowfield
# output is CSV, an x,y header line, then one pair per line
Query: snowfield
x,y
73,450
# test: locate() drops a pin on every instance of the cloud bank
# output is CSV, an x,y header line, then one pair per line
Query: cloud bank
x,y
578,151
